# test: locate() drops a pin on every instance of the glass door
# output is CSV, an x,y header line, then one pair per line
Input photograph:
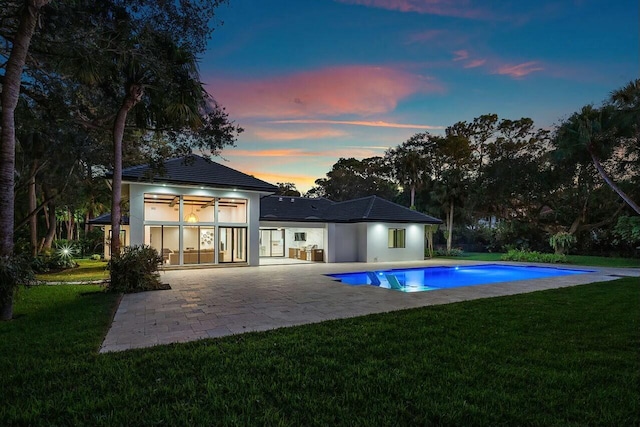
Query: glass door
x,y
271,243
232,244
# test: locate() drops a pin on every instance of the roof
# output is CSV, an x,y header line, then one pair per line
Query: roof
x,y
196,170
105,219
366,209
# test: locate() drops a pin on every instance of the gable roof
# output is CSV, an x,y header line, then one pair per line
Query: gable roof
x,y
196,170
366,209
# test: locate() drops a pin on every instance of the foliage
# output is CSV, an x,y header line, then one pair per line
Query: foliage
x,y
352,179
135,270
453,252
287,189
96,257
585,260
495,361
561,242
61,257
533,256
627,229
15,270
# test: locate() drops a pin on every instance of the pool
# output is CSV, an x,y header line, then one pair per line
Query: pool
x,y
434,278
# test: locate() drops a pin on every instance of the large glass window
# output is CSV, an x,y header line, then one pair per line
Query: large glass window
x,y
199,209
166,240
232,244
232,211
396,238
161,207
198,245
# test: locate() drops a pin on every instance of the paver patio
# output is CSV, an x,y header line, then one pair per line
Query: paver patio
x,y
215,302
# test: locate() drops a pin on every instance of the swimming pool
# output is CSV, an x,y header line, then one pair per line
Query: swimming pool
x,y
433,278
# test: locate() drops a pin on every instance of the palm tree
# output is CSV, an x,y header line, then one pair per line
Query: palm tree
x,y
593,134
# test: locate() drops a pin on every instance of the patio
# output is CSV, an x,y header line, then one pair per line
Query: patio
x,y
209,303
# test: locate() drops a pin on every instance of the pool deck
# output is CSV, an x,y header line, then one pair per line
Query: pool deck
x,y
215,302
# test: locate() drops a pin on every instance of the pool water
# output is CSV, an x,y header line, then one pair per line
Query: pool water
x,y
433,278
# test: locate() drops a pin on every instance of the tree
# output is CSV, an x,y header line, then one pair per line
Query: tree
x,y
352,179
28,13
408,164
287,189
600,135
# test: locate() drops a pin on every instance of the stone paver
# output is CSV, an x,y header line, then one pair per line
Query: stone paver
x,y
211,303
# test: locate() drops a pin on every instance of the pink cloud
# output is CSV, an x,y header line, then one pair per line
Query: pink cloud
x,y
358,90
475,63
425,36
292,153
376,123
520,70
460,55
280,135
456,8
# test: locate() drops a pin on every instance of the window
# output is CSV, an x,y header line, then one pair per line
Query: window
x,y
396,237
300,237
161,207
232,211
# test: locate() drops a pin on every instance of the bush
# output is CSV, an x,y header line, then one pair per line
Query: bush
x,y
96,257
15,270
135,270
533,256
454,252
60,258
561,242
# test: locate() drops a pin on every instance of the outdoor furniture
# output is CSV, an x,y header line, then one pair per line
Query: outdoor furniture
x,y
393,281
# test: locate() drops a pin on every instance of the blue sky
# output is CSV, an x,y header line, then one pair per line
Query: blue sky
x,y
311,81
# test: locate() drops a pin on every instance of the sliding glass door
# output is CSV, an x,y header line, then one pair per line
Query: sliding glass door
x,y
232,244
271,243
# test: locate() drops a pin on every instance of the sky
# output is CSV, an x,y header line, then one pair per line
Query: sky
x,y
311,81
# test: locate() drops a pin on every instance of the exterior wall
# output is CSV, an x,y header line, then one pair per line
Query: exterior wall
x,y
378,249
344,243
136,211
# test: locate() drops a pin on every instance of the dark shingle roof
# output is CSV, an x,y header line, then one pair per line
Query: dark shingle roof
x,y
366,209
196,170
105,219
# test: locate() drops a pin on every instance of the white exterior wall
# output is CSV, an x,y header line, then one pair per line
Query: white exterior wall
x,y
378,249
136,211
345,243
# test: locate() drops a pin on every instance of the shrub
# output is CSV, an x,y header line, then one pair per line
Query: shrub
x,y
135,270
96,257
533,256
454,252
561,242
60,258
15,270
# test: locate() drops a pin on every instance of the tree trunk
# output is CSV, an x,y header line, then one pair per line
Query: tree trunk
x,y
134,94
51,222
450,226
8,102
33,205
413,196
613,185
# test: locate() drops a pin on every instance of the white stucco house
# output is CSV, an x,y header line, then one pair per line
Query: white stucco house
x,y
201,212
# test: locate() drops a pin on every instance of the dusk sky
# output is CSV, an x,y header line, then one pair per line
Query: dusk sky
x,y
311,81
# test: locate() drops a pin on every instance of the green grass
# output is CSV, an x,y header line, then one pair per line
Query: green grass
x,y
87,271
564,357
593,261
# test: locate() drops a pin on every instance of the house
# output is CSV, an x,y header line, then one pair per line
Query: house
x,y
201,212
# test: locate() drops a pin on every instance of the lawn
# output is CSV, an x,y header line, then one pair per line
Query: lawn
x,y
565,357
88,270
593,261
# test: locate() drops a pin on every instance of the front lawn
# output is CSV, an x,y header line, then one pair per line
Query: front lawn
x,y
586,260
88,270
568,356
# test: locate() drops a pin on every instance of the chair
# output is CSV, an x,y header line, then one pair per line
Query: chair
x,y
165,254
393,281
373,277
